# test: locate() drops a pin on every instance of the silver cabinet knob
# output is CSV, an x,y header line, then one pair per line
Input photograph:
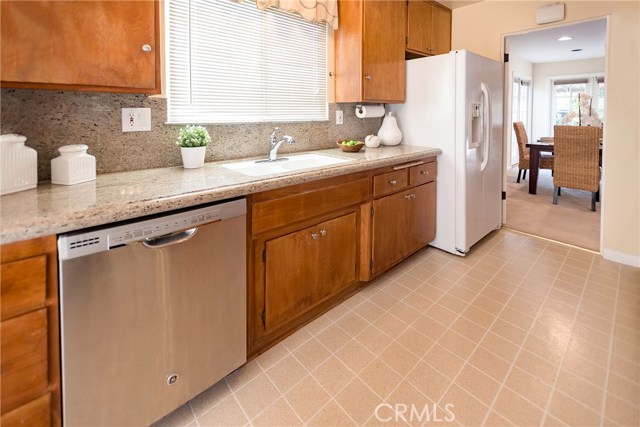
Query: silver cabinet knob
x,y
424,172
314,235
368,76
146,48
393,182
323,232
408,197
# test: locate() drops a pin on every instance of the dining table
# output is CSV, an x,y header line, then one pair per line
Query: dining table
x,y
543,145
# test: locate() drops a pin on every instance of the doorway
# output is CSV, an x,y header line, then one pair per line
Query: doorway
x,y
543,69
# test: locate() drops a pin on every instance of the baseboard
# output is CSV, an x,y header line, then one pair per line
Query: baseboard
x,y
622,258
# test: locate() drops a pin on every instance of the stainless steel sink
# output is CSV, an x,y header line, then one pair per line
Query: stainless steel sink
x,y
291,164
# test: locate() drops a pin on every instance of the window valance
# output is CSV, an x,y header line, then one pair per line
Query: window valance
x,y
310,10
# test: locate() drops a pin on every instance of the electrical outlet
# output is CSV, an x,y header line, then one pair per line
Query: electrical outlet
x,y
339,117
136,119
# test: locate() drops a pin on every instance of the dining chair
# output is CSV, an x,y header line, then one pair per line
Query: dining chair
x,y
577,160
546,160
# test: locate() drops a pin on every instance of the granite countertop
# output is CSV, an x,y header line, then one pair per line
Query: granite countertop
x,y
53,209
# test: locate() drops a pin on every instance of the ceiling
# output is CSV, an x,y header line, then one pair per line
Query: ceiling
x,y
543,46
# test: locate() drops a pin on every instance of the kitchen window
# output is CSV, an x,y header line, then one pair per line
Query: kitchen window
x,y
231,62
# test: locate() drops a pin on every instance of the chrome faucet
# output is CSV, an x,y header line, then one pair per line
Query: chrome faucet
x,y
274,144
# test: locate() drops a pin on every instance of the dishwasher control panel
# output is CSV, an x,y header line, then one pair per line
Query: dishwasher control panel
x,y
79,244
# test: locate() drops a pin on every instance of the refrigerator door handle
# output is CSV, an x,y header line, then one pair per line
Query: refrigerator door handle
x,y
486,124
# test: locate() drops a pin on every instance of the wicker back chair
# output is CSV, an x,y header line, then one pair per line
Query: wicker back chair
x,y
577,160
546,160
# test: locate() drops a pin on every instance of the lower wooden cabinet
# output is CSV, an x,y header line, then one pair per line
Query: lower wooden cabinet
x,y
304,267
29,367
402,223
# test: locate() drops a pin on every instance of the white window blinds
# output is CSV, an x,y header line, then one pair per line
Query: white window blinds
x,y
230,62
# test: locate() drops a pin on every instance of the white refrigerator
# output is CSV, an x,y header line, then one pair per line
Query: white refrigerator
x,y
454,102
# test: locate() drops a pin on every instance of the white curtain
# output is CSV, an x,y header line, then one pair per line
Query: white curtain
x,y
310,10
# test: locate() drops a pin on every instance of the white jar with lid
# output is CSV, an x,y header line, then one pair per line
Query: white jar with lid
x,y
19,164
73,166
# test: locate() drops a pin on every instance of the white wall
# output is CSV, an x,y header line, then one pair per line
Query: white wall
x,y
481,28
542,73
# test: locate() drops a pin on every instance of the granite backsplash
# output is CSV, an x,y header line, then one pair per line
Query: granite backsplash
x,y
50,119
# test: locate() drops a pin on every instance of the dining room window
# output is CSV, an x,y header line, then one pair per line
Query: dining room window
x,y
565,100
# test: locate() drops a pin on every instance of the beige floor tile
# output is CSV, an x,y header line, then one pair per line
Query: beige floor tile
x,y
374,340
478,384
415,342
404,312
369,311
307,398
521,306
509,331
226,413
536,366
469,329
355,356
257,395
596,355
383,300
278,414
585,369
571,412
428,291
500,346
209,398
181,417
399,359
390,325
418,302
317,325
516,318
496,420
623,388
338,311
352,324
444,361
457,344
463,294
487,304
243,375
592,336
468,410
441,314
358,401
430,326
272,356
311,354
490,364
581,390
407,394
355,300
625,368
332,415
496,294
380,378
516,409
479,316
548,351
621,411
333,375
452,303
333,337
286,373
428,381
301,336
551,421
536,391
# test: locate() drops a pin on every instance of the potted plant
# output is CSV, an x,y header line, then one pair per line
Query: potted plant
x,y
193,141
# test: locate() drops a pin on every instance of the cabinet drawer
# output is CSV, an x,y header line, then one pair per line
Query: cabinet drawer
x,y
390,182
422,174
23,345
282,211
23,285
36,413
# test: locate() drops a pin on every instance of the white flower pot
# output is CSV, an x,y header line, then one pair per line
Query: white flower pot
x,y
193,157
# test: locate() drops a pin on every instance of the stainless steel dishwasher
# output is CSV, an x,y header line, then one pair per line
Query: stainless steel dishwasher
x,y
153,312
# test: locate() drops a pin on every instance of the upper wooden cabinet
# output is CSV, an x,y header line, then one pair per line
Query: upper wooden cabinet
x,y
428,28
370,44
106,46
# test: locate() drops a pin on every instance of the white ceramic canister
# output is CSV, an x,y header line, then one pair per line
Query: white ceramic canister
x,y
73,166
389,132
372,141
19,164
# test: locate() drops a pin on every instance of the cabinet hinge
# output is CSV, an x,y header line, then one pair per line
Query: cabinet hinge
x,y
372,211
504,195
371,265
406,40
506,57
263,316
264,255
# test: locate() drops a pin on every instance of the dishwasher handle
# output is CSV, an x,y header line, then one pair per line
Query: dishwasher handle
x,y
171,239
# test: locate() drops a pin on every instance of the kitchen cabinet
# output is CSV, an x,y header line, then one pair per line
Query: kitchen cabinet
x,y
428,29
369,56
29,334
78,45
404,221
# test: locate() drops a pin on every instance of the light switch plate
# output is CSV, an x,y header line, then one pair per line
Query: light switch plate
x,y
339,117
136,119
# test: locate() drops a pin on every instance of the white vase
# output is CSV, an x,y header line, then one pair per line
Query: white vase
x,y
389,132
73,166
193,157
19,164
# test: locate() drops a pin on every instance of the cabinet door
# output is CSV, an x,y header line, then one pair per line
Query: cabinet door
x,y
418,26
383,51
94,45
402,223
305,266
440,31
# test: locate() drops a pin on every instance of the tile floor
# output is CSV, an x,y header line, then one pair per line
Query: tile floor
x,y
520,332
